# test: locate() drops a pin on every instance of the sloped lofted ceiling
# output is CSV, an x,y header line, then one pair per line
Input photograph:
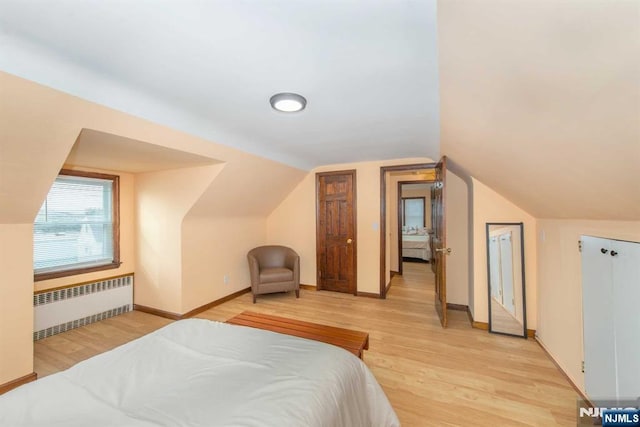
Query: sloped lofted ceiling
x,y
367,67
540,100
103,150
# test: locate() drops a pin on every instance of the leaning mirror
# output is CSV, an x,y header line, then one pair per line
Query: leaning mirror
x,y
505,268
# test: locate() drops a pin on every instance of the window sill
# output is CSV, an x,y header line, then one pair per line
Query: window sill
x,y
64,273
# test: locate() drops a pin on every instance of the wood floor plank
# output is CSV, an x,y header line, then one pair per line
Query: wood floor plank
x,y
433,377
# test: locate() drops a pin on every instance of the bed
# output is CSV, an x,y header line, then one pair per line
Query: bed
x,y
416,246
196,372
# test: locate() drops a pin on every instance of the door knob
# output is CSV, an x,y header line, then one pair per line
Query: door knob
x,y
349,241
603,250
614,253
447,251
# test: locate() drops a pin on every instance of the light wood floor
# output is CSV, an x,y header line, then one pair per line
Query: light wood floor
x,y
433,377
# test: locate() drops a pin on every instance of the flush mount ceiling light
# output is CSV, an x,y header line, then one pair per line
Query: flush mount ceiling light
x,y
288,102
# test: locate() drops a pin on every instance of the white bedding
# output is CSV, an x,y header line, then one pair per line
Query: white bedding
x,y
201,373
416,246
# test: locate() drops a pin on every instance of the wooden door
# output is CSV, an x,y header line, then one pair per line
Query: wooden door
x,y
440,250
336,231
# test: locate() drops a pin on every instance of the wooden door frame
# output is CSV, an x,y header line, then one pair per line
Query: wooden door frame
x,y
400,184
383,215
354,202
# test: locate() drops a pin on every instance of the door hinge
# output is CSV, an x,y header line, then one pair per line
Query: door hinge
x,y
579,245
583,366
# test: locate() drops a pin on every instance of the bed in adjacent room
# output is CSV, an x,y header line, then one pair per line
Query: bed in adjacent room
x,y
197,372
416,246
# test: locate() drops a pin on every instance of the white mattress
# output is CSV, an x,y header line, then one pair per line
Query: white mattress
x,y
201,373
415,241
416,246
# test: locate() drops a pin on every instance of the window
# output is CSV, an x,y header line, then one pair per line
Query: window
x,y
76,229
413,212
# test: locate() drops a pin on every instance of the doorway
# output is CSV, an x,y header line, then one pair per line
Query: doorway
x,y
389,218
413,224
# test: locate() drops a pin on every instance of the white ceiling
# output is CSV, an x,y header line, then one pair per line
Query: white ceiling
x,y
368,69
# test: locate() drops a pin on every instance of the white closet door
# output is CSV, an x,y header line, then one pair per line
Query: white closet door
x,y
597,314
626,316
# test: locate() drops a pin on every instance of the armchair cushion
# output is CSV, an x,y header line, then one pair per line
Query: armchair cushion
x,y
275,274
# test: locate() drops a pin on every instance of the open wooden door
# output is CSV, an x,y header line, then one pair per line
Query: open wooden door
x,y
440,239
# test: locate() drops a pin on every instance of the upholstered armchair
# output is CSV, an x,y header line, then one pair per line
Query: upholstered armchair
x,y
274,269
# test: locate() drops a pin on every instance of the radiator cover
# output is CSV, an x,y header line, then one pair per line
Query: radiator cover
x,y
64,309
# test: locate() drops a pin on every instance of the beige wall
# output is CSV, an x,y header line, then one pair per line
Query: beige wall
x,y
213,248
560,285
162,201
16,298
293,222
127,235
489,206
457,229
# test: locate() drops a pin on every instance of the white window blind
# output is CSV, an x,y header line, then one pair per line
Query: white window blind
x,y
74,227
414,213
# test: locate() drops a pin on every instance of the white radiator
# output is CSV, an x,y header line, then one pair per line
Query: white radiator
x,y
60,310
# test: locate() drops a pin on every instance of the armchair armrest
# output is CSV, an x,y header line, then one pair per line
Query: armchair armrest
x,y
254,270
292,261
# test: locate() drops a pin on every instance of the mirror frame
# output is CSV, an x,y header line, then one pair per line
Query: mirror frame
x,y
524,299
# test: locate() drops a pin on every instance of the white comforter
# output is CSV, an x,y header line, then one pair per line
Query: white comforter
x,y
201,373
415,241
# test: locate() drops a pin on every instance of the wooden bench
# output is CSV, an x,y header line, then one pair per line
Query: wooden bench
x,y
354,341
